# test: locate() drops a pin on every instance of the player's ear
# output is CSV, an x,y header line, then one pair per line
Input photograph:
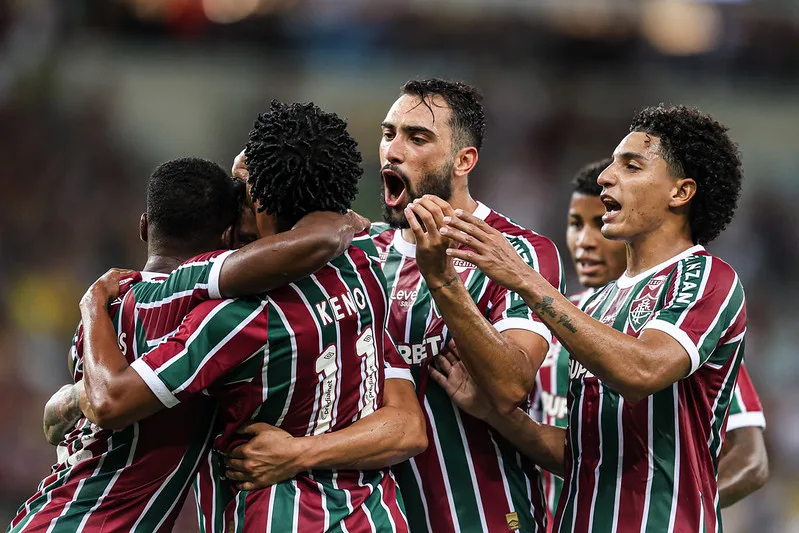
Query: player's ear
x,y
465,160
229,238
143,227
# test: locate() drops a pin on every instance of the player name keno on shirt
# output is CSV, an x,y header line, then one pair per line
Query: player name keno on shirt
x,y
341,306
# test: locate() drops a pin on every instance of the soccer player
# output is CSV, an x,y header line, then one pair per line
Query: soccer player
x,y
308,358
469,479
136,479
743,465
656,354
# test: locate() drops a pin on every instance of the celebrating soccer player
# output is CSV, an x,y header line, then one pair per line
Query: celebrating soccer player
x,y
743,464
656,354
129,480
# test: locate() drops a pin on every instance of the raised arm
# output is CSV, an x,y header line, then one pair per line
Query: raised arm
x,y
119,394
277,260
634,367
390,435
504,363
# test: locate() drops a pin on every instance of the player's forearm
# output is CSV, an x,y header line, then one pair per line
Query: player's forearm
x,y
499,368
543,444
104,369
277,260
385,438
743,467
61,412
626,364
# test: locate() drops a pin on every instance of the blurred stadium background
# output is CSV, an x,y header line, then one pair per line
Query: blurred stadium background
x,y
95,93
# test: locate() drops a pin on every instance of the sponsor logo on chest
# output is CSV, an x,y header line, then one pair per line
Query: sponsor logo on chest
x,y
405,297
578,371
415,353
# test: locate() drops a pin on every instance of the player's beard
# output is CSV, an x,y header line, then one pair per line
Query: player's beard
x,y
438,183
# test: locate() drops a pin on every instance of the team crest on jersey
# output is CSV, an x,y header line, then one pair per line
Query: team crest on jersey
x,y
640,311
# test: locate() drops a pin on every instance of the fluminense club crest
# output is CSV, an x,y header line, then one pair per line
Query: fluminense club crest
x,y
641,310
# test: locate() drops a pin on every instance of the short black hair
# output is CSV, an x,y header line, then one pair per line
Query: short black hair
x,y
466,102
696,146
301,159
584,182
190,202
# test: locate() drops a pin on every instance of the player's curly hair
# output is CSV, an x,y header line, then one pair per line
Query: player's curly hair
x,y
584,182
466,102
301,159
696,146
190,203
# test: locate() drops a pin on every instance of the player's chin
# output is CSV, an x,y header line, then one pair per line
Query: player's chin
x,y
395,217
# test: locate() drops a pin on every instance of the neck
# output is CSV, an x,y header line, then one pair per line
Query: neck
x,y
459,200
652,249
164,261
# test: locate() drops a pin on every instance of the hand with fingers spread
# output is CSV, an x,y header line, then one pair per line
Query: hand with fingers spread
x,y
269,457
489,250
449,372
425,216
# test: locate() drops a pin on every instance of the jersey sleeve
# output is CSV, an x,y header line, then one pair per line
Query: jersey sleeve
x,y
395,366
213,339
508,310
745,407
705,308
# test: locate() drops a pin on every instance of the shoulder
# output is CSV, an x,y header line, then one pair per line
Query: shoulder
x,y
379,228
514,231
705,272
204,258
581,297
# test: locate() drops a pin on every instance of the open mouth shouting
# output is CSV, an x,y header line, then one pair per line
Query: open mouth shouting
x,y
612,207
394,189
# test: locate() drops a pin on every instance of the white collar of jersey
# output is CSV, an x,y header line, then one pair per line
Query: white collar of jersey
x,y
147,275
625,281
408,249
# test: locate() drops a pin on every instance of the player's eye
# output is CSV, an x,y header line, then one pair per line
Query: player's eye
x,y
418,140
387,135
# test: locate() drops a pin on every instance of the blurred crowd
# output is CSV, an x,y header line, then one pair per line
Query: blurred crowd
x,y
73,180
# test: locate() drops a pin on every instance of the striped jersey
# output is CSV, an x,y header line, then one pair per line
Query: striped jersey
x,y
470,478
308,358
651,466
745,408
134,479
550,405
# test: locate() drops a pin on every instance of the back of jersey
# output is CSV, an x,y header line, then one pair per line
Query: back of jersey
x,y
322,371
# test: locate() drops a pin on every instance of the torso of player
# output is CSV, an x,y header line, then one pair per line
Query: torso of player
x,y
633,454
322,367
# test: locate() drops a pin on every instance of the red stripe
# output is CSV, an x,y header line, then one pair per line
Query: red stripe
x,y
589,434
635,465
256,509
748,394
390,498
311,511
434,490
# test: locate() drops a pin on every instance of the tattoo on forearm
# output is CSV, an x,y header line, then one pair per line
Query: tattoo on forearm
x,y
544,307
567,323
61,415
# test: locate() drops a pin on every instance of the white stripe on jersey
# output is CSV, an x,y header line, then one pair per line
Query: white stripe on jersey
x,y
675,487
133,443
240,326
439,454
293,342
599,465
472,473
650,460
171,298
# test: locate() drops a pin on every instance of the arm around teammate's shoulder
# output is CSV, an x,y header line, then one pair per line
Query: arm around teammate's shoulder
x,y
275,260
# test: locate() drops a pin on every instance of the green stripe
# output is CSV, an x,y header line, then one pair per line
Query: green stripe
x,y
664,459
282,518
176,486
517,484
279,368
335,499
200,517
37,504
223,494
410,491
216,328
121,444
606,480
374,503
454,453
